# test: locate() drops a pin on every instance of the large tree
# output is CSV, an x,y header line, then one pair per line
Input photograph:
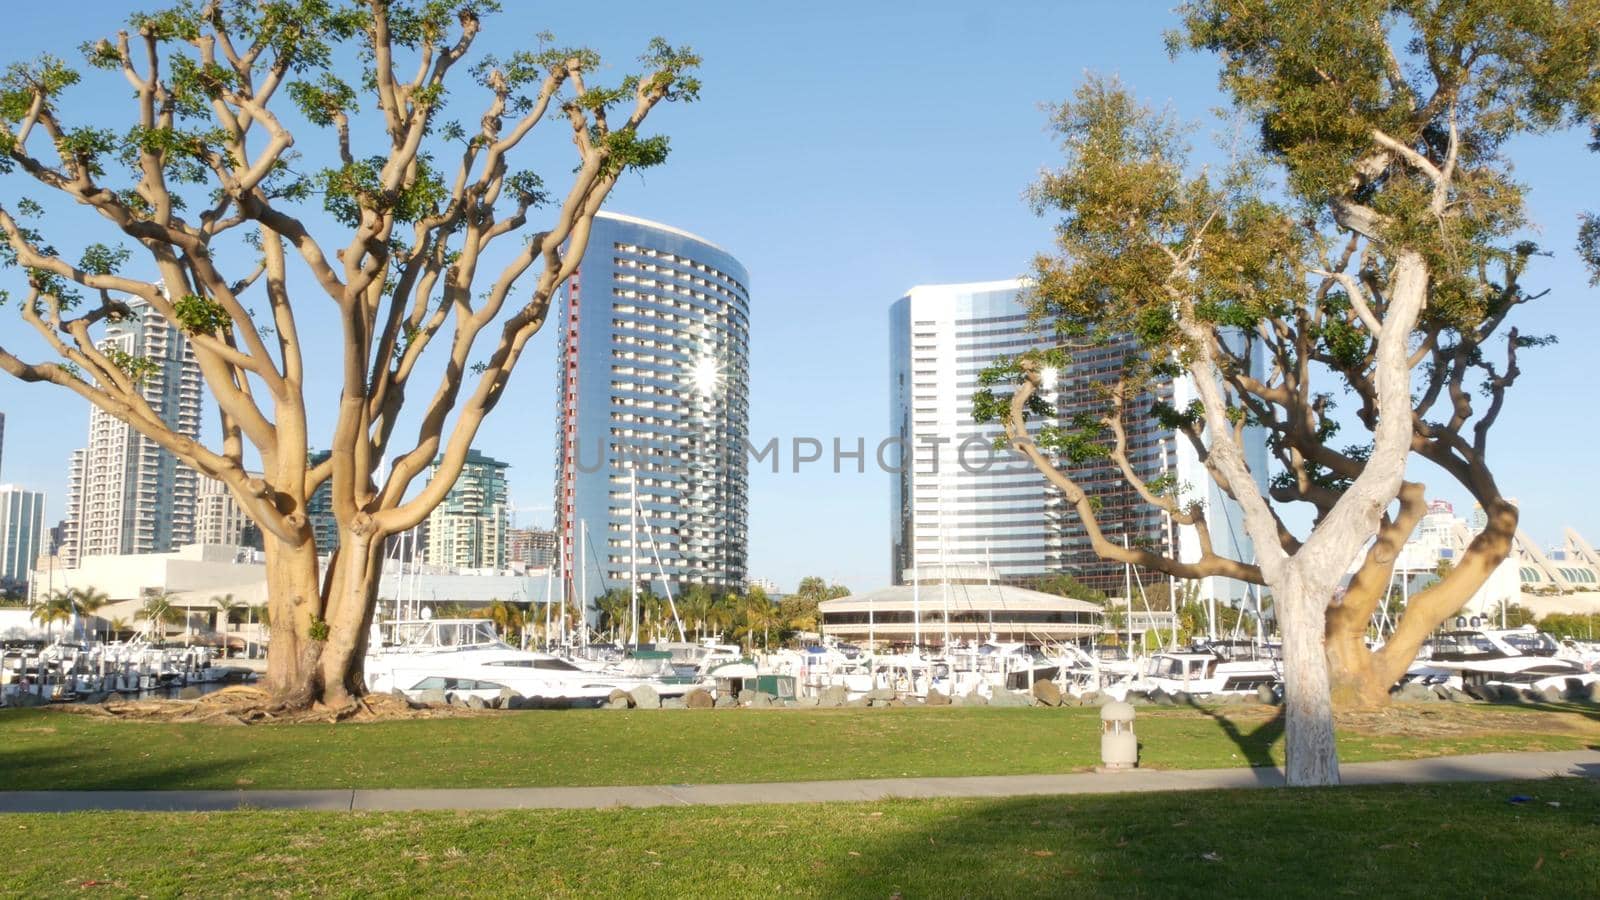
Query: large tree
x,y
1375,232
301,151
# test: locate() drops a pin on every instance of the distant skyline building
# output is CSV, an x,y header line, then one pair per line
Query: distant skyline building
x,y
22,531
530,548
220,519
956,501
468,530
126,494
654,380
319,508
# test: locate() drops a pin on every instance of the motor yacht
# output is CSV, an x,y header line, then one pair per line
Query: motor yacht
x,y
465,657
1522,657
1200,673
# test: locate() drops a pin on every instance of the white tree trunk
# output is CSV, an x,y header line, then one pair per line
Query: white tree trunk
x,y
1312,754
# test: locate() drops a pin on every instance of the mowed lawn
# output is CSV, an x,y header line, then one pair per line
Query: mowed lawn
x,y
55,750
1422,841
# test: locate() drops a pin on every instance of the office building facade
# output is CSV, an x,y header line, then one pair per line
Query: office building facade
x,y
220,519
654,398
958,500
468,530
319,509
126,494
22,531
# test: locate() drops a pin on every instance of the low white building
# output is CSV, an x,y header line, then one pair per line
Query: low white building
x,y
195,575
1562,579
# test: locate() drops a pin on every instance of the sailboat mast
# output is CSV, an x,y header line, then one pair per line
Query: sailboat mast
x,y
561,590
1127,592
945,566
633,556
916,608
583,580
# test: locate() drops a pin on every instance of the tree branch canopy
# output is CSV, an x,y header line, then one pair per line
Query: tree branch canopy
x,y
1373,235
305,150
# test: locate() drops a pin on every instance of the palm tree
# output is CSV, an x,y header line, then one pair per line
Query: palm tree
x,y
695,607
613,606
725,614
159,611
57,607
507,617
116,627
88,600
227,609
760,613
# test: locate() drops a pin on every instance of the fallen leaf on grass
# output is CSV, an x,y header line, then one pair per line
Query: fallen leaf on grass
x,y
1042,853
1211,856
1538,863
852,853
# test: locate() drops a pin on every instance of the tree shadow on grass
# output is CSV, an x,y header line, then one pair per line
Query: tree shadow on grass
x,y
1255,745
48,750
1587,710
1390,841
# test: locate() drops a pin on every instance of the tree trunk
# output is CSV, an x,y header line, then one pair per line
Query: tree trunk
x,y
352,592
1313,755
295,600
1356,680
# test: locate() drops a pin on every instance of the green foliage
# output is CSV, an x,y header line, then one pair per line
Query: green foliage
x,y
45,76
528,187
1580,626
98,259
356,187
319,629
322,101
672,67
137,368
86,145
1321,81
625,150
200,315
1514,615
1064,585
1589,246
183,155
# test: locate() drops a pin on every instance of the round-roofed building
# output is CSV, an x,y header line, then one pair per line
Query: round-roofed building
x,y
959,604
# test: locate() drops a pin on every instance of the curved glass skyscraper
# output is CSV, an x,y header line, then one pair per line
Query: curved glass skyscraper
x,y
958,500
654,398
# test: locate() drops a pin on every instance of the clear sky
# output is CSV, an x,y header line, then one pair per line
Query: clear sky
x,y
845,152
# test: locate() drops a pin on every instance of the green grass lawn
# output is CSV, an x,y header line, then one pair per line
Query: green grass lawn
x,y
53,750
1434,841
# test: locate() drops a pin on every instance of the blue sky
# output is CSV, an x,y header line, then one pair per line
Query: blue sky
x,y
845,152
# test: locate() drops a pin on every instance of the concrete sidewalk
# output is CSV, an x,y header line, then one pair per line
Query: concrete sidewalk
x,y
1483,767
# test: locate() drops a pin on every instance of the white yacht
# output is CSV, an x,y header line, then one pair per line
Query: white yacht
x,y
1200,673
465,657
1523,657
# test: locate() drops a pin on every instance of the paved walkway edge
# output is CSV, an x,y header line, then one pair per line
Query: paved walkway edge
x,y
1482,767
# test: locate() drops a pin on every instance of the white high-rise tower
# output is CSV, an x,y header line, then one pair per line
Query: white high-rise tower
x,y
127,494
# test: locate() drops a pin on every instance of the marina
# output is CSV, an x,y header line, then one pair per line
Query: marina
x,y
65,672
